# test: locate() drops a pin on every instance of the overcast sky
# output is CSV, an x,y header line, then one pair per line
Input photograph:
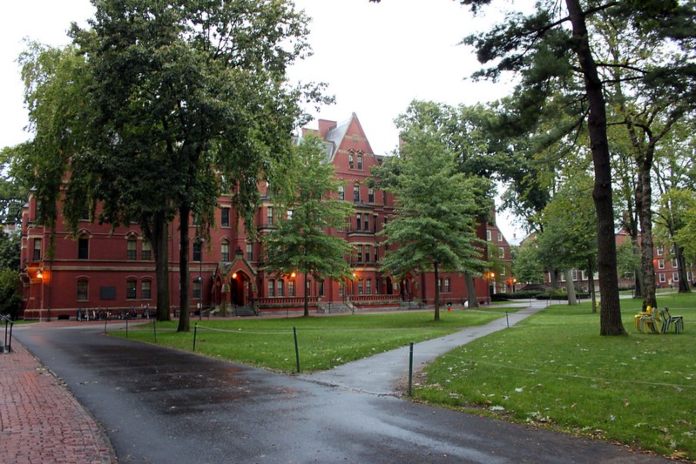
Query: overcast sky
x,y
375,58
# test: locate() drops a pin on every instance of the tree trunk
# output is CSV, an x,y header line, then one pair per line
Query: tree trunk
x,y
570,288
184,213
437,291
590,285
554,279
306,296
644,205
471,290
681,263
160,247
610,314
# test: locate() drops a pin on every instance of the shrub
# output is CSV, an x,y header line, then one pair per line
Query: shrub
x,y
10,297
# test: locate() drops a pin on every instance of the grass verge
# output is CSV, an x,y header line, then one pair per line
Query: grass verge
x,y
555,369
324,342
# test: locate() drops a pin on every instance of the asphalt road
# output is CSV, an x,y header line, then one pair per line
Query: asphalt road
x,y
164,406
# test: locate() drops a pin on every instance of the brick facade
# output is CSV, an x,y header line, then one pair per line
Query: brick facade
x,y
114,270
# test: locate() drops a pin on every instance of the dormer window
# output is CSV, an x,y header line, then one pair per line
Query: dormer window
x,y
351,163
360,161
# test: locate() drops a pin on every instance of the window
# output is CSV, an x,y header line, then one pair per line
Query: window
x,y
289,215
321,288
196,289
280,288
675,277
367,253
500,237
84,213
225,251
447,287
370,195
360,250
368,287
269,215
488,235
82,290
146,252
360,287
146,289
660,251
351,163
501,252
197,250
341,290
341,193
660,263
36,255
83,248
250,251
575,275
358,221
675,263
271,288
662,278
366,222
356,193
291,288
130,289
360,161
225,217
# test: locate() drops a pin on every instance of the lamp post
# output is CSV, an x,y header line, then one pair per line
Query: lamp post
x,y
39,275
200,278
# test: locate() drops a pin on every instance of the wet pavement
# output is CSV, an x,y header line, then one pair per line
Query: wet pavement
x,y
163,406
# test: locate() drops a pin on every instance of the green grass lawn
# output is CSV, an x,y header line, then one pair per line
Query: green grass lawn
x,y
555,369
324,342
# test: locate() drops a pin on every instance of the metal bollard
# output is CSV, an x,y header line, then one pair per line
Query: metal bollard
x,y
297,350
410,369
195,332
154,328
507,319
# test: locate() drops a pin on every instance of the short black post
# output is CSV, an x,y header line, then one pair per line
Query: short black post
x,y
297,350
507,319
126,327
9,343
195,332
154,328
410,369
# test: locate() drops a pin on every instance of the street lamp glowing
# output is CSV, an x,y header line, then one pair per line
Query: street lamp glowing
x,y
292,275
234,275
39,275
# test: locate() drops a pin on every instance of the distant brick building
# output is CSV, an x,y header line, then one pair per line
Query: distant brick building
x,y
114,270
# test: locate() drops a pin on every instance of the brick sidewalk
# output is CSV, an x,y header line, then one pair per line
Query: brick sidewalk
x,y
40,421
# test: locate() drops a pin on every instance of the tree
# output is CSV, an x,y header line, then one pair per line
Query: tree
x,y
568,239
466,131
526,265
302,241
9,250
671,218
182,101
10,293
433,228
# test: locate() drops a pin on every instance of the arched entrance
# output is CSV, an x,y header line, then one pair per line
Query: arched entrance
x,y
240,288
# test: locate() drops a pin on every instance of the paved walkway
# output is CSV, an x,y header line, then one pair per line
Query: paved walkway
x,y
40,420
384,373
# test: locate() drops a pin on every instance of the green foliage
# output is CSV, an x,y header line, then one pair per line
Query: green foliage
x,y
570,226
686,236
436,209
10,292
526,265
554,371
302,242
10,244
627,259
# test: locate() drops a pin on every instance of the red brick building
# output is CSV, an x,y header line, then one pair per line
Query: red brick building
x,y
114,270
